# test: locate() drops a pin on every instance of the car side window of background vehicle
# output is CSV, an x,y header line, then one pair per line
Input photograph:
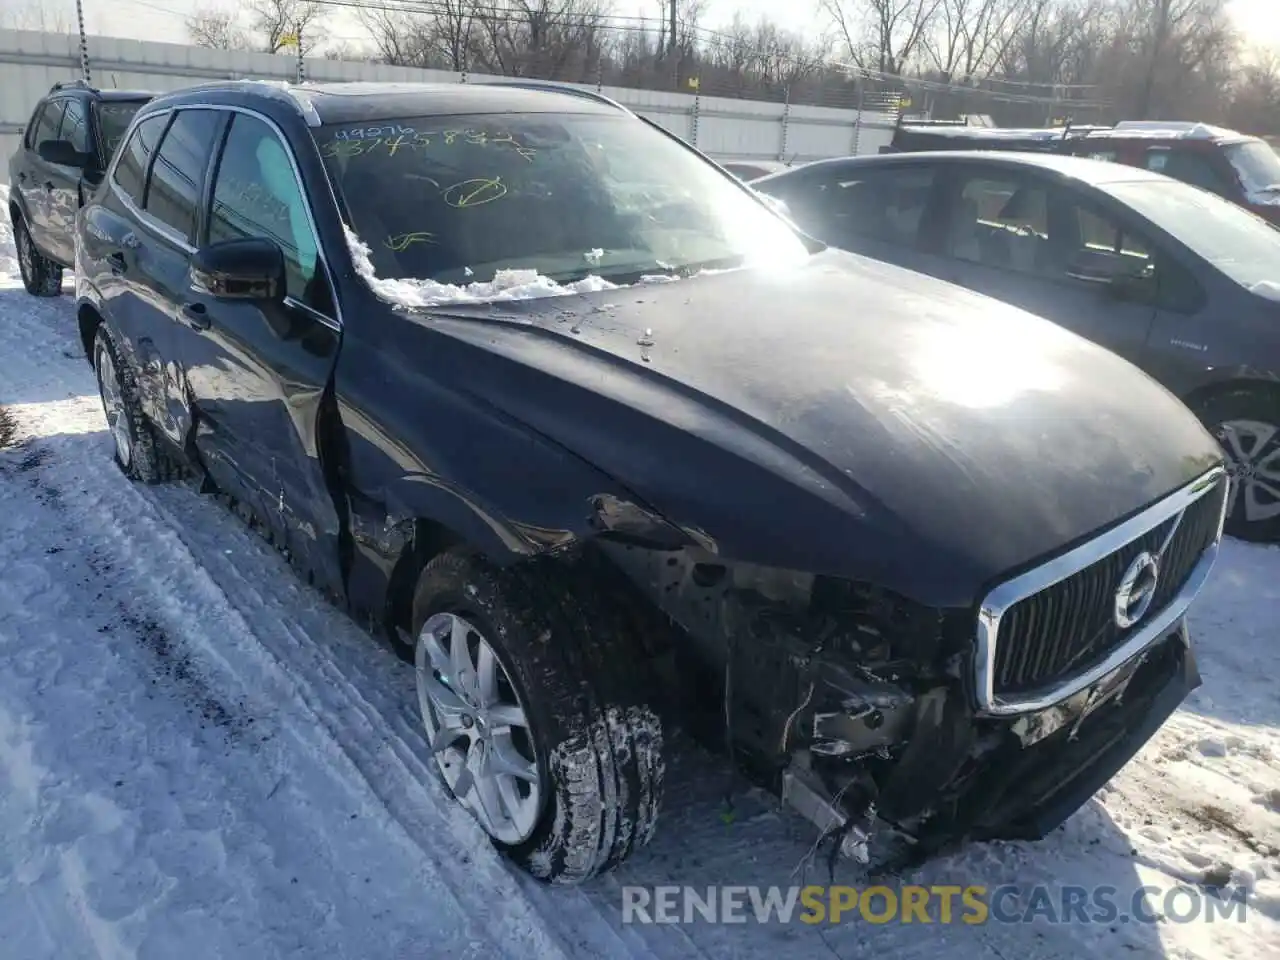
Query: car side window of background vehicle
x,y
46,126
75,127
885,205
1189,168
1001,222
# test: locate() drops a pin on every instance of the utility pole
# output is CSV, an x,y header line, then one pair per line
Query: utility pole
x,y
671,27
84,42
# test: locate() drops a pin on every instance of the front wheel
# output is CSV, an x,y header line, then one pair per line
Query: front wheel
x,y
1246,422
40,276
134,443
528,694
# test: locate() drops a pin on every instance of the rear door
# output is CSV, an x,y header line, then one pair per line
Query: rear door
x,y
35,185
161,253
118,236
259,373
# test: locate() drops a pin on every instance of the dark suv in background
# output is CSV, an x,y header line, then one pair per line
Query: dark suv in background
x,y
65,149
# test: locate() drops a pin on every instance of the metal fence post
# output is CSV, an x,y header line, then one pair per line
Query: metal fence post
x,y
786,124
697,107
301,68
84,43
857,119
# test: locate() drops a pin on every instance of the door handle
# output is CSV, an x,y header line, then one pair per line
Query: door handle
x,y
117,263
195,316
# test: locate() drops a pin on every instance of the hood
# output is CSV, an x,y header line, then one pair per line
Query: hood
x,y
845,417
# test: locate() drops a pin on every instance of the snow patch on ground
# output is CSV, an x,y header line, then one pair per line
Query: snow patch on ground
x,y
8,255
505,285
199,758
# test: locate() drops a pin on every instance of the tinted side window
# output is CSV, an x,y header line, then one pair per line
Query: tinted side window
x,y
131,169
173,192
75,126
877,204
46,127
1189,168
257,195
1001,221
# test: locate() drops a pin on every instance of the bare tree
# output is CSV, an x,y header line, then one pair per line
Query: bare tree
x,y
1255,105
276,24
33,15
884,35
970,37
1176,38
216,29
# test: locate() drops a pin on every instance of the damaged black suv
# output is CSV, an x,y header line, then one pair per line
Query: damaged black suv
x,y
601,443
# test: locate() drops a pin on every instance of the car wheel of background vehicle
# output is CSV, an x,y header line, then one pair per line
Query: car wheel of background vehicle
x,y
532,702
1246,421
41,276
134,443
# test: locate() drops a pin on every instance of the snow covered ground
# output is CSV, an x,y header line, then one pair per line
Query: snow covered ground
x,y
199,758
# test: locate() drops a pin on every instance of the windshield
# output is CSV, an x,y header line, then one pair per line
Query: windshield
x,y
1257,166
1239,243
114,117
456,199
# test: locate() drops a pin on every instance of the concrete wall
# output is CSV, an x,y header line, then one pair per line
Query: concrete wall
x,y
726,129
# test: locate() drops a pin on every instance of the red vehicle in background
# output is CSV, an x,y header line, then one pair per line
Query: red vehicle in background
x,y
1242,169
1237,167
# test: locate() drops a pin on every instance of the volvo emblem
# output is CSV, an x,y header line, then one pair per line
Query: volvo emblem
x,y
1137,590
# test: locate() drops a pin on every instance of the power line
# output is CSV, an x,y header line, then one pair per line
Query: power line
x,y
489,13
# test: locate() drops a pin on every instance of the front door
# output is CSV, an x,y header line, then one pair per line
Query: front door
x,y
1033,243
63,185
258,373
35,185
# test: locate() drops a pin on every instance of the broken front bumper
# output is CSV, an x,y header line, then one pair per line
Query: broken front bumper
x,y
1053,761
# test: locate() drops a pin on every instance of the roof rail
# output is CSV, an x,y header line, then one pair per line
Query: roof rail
x,y
550,86
79,84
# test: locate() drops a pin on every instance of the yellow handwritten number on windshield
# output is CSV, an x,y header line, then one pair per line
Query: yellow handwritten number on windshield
x,y
472,193
406,240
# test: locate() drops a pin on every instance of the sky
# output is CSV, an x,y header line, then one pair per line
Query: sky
x,y
164,20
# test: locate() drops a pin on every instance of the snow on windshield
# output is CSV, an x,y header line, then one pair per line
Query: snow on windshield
x,y
505,285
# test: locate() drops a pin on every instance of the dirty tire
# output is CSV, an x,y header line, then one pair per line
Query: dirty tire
x,y
579,674
146,464
40,275
1254,404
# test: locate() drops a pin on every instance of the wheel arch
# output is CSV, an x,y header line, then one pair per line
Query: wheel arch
x,y
1247,380
88,319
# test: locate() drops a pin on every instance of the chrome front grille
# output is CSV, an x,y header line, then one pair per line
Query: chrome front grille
x,y
1054,630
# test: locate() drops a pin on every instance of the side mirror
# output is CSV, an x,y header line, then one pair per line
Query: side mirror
x,y
62,153
249,269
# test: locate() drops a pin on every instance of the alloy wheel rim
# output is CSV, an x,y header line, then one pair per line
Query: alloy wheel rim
x,y
477,728
113,407
1252,450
